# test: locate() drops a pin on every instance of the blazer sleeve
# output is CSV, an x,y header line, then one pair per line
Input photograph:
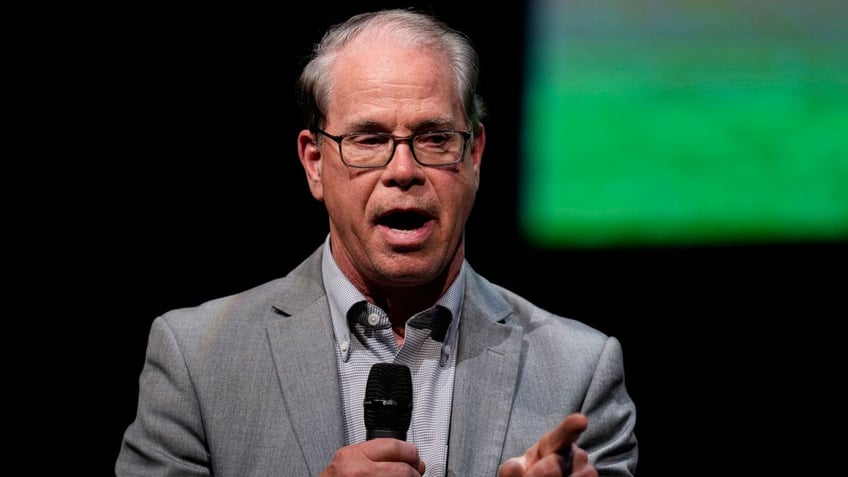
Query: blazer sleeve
x,y
610,437
167,437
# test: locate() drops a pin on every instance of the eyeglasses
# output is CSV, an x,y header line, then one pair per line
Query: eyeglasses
x,y
429,148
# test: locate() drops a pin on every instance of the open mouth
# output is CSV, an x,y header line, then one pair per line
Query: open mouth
x,y
400,220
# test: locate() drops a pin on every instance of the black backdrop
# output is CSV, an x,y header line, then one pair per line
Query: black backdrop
x,y
724,346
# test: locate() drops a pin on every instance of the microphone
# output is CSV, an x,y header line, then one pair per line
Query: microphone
x,y
388,401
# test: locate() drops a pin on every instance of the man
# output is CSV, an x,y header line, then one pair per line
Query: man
x,y
271,381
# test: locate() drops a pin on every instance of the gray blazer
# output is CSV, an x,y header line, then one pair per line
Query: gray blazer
x,y
247,385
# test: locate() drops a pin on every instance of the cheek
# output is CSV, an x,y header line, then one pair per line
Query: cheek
x,y
471,190
462,195
345,195
472,183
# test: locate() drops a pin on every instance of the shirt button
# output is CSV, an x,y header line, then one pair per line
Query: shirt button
x,y
344,345
373,319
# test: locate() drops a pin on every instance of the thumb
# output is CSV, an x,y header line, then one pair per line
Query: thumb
x,y
513,467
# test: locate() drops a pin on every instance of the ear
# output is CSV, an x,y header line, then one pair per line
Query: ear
x,y
310,159
477,147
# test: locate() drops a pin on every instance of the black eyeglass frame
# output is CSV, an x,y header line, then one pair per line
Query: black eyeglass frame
x,y
466,135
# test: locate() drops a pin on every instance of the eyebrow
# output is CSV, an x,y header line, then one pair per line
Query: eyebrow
x,y
427,125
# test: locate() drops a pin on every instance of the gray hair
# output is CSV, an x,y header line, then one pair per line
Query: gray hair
x,y
416,28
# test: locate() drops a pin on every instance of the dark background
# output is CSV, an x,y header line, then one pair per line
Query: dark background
x,y
728,350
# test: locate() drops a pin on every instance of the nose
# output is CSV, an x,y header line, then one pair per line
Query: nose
x,y
403,170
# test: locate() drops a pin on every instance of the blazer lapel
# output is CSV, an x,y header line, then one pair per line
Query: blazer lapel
x,y
302,345
484,384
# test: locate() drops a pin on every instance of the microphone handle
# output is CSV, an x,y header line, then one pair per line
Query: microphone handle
x,y
375,433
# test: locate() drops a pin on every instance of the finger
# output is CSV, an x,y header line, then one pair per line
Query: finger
x,y
560,438
582,468
392,468
513,467
387,450
552,465
394,450
393,457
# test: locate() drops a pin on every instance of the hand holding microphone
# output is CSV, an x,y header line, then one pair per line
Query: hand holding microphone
x,y
388,413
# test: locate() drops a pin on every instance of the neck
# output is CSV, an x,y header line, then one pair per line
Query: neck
x,y
401,304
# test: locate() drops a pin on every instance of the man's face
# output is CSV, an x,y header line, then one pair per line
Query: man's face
x,y
400,225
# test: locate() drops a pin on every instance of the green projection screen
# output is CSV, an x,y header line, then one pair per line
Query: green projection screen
x,y
666,123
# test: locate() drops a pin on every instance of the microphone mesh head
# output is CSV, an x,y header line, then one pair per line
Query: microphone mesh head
x,y
388,397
